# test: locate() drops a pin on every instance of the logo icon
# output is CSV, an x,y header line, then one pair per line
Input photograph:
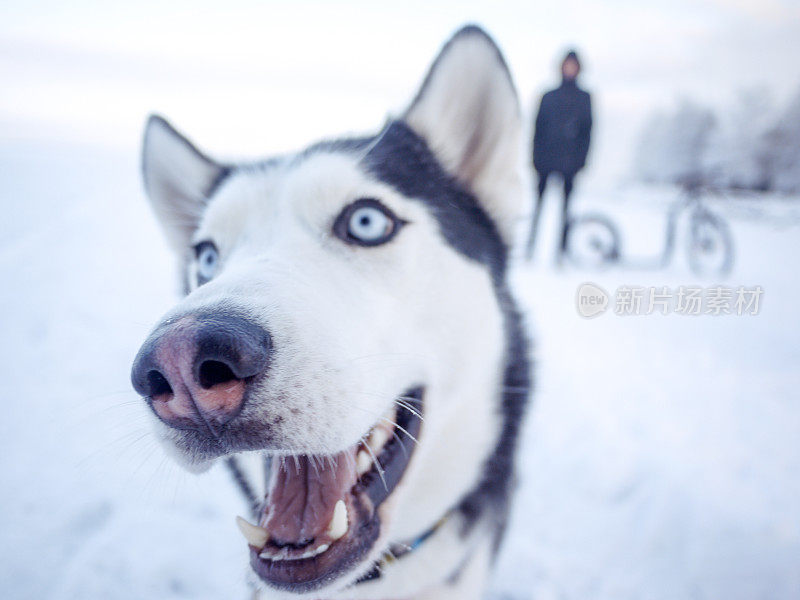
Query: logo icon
x,y
591,300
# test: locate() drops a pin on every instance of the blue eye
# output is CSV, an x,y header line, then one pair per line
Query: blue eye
x,y
207,261
369,224
366,222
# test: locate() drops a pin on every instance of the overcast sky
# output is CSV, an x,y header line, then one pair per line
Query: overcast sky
x,y
256,77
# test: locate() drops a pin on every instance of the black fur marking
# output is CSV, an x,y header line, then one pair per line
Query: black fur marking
x,y
243,484
403,160
499,474
222,177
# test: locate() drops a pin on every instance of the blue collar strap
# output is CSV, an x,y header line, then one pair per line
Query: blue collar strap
x,y
398,551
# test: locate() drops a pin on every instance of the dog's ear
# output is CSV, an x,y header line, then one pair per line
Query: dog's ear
x,y
467,111
178,179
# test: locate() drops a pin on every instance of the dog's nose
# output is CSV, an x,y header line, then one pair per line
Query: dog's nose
x,y
194,370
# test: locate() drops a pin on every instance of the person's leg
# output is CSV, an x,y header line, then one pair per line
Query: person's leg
x,y
537,210
542,183
562,250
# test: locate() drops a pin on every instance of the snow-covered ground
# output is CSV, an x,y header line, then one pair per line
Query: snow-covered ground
x,y
661,458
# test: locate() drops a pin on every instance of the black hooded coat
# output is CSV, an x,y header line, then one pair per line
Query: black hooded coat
x,y
563,130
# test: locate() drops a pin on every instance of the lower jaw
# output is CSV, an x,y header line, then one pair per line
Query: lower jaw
x,y
344,555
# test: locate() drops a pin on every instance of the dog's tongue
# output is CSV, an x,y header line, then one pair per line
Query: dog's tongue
x,y
303,492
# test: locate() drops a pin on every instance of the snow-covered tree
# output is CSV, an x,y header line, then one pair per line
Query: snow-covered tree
x,y
782,149
749,146
673,144
735,156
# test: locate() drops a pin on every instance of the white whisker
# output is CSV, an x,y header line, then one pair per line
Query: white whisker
x,y
411,437
377,465
331,462
409,408
402,445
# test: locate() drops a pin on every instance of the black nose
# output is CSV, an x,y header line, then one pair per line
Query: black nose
x,y
195,370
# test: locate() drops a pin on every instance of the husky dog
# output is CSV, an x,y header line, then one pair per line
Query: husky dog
x,y
348,317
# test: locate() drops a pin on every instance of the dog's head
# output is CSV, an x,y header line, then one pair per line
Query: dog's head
x,y
343,317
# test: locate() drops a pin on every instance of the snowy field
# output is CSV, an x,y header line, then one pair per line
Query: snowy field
x,y
661,459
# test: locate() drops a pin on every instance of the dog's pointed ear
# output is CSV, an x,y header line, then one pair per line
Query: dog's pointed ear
x,y
178,179
468,112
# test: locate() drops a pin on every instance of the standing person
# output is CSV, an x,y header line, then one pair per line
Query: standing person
x,y
561,141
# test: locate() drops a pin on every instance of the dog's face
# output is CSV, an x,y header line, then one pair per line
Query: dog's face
x,y
342,317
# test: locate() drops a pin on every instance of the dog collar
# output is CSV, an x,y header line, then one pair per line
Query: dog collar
x,y
400,550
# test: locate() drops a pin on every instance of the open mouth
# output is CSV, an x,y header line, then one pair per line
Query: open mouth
x,y
320,519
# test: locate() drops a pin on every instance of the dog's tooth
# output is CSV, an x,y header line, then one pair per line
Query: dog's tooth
x,y
275,555
281,554
256,536
315,551
321,549
338,525
363,462
378,438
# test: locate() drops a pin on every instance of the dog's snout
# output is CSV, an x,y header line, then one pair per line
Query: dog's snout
x,y
195,370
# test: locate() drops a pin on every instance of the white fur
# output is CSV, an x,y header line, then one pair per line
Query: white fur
x,y
354,327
